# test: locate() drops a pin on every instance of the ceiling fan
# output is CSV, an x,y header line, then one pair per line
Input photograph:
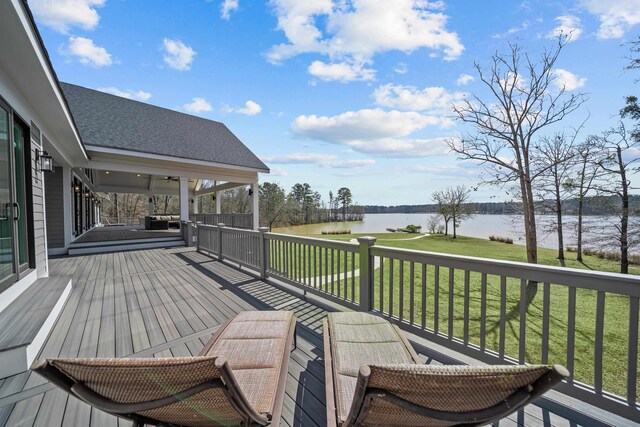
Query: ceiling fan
x,y
175,178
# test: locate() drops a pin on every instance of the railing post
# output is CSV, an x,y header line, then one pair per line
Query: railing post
x,y
220,226
198,224
366,276
264,253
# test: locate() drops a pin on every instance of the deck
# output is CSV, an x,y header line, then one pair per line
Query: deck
x,y
168,302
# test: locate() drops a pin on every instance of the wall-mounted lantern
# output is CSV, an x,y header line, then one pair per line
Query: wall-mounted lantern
x,y
45,161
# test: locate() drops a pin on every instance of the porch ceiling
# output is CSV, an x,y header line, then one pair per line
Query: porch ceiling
x,y
142,183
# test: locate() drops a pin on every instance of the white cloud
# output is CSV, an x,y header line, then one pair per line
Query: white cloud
x,y
88,53
279,172
401,68
226,7
513,30
464,79
342,71
569,26
435,99
178,55
567,80
616,17
61,15
373,131
251,108
322,160
347,35
198,105
130,94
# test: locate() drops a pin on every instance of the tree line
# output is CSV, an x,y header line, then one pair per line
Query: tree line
x,y
302,205
592,205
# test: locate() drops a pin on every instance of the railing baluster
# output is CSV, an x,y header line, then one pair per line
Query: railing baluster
x,y
465,332
483,312
546,300
381,285
353,277
401,291
338,284
345,281
309,264
632,359
503,314
326,270
332,271
411,292
424,296
522,350
597,362
450,319
571,330
390,287
436,298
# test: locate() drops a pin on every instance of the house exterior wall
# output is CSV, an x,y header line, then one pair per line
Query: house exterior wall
x,y
37,194
55,221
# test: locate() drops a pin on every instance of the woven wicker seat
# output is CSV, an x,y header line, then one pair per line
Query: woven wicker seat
x,y
238,378
374,378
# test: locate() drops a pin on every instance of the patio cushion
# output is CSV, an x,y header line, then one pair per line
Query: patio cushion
x,y
144,379
253,343
360,339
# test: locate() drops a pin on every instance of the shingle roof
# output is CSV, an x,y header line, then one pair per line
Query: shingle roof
x,y
114,122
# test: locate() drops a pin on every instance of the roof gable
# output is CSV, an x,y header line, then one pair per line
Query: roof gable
x,y
111,121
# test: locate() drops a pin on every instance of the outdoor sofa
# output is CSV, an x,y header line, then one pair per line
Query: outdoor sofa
x,y
238,378
161,222
374,378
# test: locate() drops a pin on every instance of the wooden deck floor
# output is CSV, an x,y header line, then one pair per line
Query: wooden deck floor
x,y
168,302
125,232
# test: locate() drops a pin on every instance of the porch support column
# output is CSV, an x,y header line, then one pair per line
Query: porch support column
x,y
218,202
184,198
256,205
152,206
67,204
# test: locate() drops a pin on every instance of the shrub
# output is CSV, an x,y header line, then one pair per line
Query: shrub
x,y
507,240
336,232
412,228
608,255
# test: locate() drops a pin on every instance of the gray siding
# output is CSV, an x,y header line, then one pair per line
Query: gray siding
x,y
53,189
38,209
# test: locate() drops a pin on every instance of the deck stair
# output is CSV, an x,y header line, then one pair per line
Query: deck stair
x,y
26,322
125,245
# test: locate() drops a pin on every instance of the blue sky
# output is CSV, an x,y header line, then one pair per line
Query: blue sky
x,y
336,93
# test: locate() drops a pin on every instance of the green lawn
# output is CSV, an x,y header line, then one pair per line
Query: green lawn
x,y
616,322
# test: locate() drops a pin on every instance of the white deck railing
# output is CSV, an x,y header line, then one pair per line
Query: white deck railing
x,y
495,311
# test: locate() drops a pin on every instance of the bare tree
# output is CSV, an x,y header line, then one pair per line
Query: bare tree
x,y
522,101
433,222
453,203
442,209
620,151
555,156
586,171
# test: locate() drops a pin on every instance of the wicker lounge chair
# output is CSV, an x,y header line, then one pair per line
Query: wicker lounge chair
x,y
374,378
238,378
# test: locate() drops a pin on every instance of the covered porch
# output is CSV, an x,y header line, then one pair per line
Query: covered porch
x,y
169,302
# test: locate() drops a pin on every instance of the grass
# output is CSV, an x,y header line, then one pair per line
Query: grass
x,y
410,298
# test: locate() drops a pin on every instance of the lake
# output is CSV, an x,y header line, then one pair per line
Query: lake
x,y
481,226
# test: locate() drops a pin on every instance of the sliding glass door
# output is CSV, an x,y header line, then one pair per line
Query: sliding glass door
x,y
7,248
15,172
20,147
